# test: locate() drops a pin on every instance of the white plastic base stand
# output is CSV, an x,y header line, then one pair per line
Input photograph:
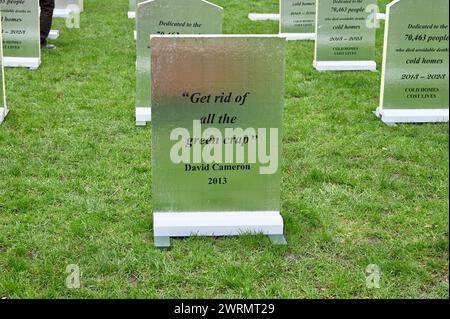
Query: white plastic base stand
x,y
167,225
3,112
53,35
393,116
62,13
345,65
143,116
381,16
131,15
298,36
264,16
32,63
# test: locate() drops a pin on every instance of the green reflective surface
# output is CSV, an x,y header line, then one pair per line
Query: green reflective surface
x,y
20,21
345,30
204,78
297,16
415,67
169,17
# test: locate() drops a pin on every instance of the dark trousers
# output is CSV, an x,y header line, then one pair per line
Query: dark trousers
x,y
47,7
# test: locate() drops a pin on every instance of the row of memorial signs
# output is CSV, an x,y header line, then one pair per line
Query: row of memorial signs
x,y
218,100
414,86
344,34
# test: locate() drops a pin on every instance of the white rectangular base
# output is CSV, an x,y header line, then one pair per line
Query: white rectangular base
x,y
143,115
53,35
345,65
3,112
135,35
131,15
217,224
264,16
32,63
62,13
381,16
298,36
392,116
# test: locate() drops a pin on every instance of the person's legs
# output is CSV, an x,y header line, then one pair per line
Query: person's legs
x,y
47,7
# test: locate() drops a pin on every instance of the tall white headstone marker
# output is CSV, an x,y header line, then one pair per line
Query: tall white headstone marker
x,y
217,135
414,85
346,32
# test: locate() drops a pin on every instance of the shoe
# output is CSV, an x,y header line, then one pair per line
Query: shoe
x,y
48,46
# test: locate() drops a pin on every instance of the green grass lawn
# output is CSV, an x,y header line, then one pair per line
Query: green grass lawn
x,y
75,183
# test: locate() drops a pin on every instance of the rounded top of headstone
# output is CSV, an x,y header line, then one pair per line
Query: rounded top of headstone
x,y
185,3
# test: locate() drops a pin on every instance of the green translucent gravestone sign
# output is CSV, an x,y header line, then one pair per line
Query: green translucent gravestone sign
x,y
216,134
345,35
168,17
21,39
415,72
3,108
298,19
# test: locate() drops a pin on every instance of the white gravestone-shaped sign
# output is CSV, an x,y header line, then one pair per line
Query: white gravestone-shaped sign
x,y
21,35
345,37
3,108
167,17
298,19
217,135
414,85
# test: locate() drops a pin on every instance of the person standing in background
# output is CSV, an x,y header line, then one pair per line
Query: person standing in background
x,y
47,7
